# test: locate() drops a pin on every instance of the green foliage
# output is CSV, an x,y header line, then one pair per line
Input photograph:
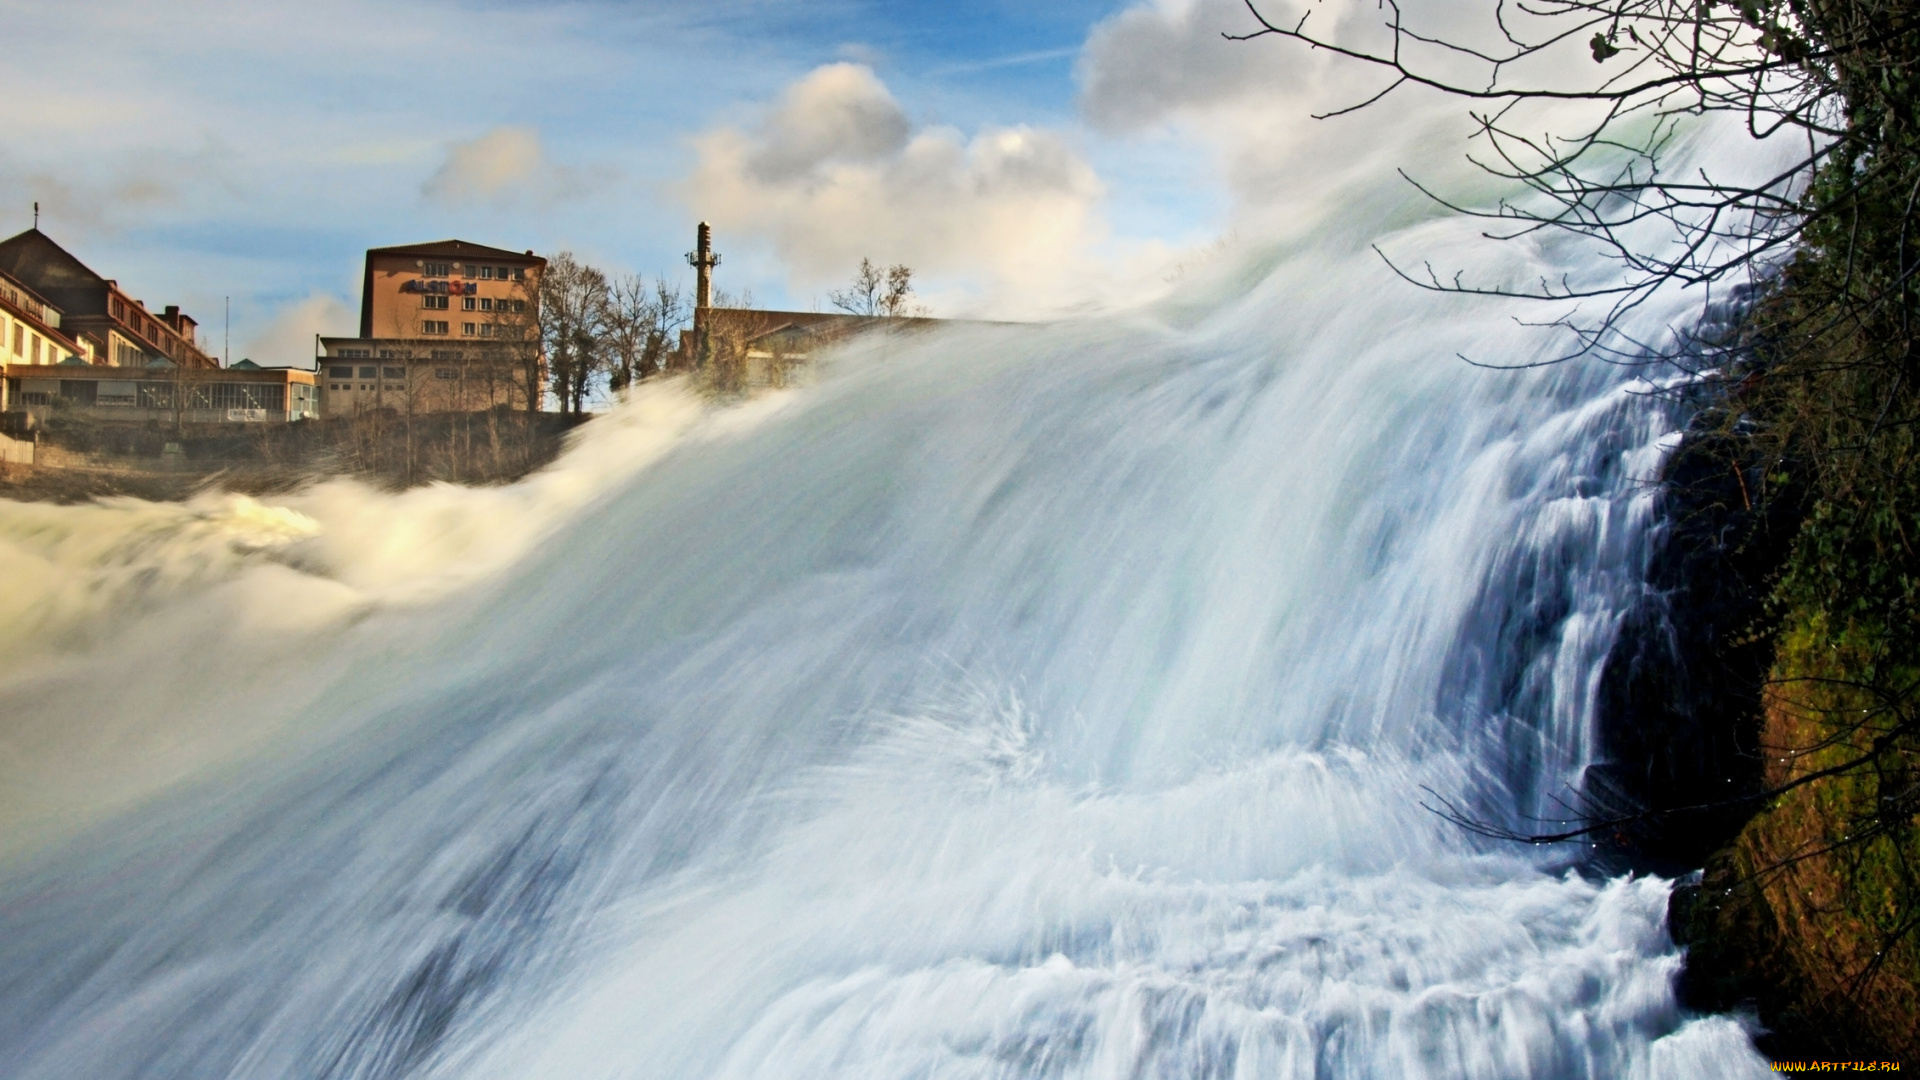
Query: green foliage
x,y
1811,911
1835,391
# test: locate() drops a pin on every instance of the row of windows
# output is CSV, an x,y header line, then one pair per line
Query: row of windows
x,y
472,303
237,396
159,395
397,354
369,371
345,371
144,325
444,374
476,271
434,327
32,348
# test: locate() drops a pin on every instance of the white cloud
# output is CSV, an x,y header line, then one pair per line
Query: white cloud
x,y
839,113
835,173
501,162
288,339
506,167
113,190
1164,66
1159,61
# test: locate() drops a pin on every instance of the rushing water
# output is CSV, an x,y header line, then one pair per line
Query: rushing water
x,y
1012,703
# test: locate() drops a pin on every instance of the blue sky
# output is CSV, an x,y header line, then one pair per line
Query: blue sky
x,y
198,151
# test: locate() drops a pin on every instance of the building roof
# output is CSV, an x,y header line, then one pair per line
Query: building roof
x,y
52,271
755,324
436,249
84,297
455,249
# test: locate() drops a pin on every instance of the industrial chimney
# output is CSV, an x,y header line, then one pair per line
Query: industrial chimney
x,y
703,259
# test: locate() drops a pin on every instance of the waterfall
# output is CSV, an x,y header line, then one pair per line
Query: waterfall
x,y
1014,702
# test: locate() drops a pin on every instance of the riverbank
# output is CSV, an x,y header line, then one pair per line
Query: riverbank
x,y
1757,720
76,461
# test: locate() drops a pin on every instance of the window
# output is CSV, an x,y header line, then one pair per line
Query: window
x,y
435,303
469,329
433,326
231,396
519,274
466,303
518,305
486,304
486,273
486,329
446,373
446,354
340,373
354,353
368,372
19,340
436,269
394,372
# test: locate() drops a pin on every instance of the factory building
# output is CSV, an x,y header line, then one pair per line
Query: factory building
x,y
448,326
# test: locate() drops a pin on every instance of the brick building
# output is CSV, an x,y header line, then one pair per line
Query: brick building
x,y
72,339
107,325
30,331
444,327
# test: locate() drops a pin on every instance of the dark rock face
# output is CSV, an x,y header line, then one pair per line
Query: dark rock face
x,y
1681,717
1735,962
1680,696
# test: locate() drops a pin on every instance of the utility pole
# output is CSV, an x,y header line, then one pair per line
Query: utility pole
x,y
226,337
703,259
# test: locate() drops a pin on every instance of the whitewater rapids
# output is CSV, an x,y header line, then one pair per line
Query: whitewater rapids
x,y
1013,703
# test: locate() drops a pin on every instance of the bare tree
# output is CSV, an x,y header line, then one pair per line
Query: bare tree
x,y
1783,67
573,320
642,318
730,326
876,293
629,319
670,312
